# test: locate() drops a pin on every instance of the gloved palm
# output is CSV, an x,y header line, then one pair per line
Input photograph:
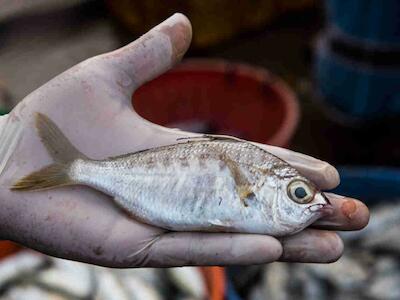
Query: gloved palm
x,y
91,104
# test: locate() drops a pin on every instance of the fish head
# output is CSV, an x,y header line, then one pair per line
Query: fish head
x,y
299,203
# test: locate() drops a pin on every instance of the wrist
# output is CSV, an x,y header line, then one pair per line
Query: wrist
x,y
9,135
3,119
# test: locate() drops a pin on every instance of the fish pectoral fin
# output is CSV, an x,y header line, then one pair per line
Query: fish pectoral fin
x,y
243,186
245,193
219,225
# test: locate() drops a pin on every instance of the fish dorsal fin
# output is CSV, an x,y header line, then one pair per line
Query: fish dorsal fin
x,y
205,137
212,137
125,155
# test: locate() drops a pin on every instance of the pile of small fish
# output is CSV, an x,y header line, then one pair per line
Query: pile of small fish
x,y
369,268
30,275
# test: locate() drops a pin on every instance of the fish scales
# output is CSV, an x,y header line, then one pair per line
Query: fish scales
x,y
194,174
211,183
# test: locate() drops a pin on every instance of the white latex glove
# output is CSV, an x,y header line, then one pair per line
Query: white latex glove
x,y
91,103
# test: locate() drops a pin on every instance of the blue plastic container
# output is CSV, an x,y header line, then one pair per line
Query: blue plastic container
x,y
375,22
354,87
370,184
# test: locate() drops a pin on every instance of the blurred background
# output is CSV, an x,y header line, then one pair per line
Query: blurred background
x,y
318,77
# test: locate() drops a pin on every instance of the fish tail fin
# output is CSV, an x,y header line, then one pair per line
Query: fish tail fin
x,y
62,152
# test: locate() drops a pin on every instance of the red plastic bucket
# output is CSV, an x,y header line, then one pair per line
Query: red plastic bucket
x,y
8,248
234,98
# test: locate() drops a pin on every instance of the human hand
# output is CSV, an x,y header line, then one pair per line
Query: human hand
x,y
91,103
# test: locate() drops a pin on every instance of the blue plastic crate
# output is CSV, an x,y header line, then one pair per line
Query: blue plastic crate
x,y
356,88
375,22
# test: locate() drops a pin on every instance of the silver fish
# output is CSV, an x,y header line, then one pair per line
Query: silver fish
x,y
384,286
213,183
19,265
31,292
347,274
68,277
189,280
276,281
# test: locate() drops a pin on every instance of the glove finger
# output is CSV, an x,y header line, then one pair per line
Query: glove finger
x,y
324,175
183,248
312,246
348,214
153,53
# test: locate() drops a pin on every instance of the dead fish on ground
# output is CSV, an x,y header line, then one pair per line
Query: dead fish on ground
x,y
276,281
382,231
386,286
189,280
31,292
304,285
111,286
151,276
385,282
211,183
67,277
347,273
19,265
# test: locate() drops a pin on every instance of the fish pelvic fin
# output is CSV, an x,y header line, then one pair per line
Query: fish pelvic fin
x,y
60,149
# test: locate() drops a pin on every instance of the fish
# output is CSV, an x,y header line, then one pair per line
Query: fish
x,y
189,280
312,288
67,277
205,183
276,281
18,265
348,273
384,286
32,293
109,287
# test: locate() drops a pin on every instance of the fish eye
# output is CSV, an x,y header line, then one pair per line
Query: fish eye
x,y
300,192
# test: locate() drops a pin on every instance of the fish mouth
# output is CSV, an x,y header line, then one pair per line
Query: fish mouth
x,y
326,198
325,209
